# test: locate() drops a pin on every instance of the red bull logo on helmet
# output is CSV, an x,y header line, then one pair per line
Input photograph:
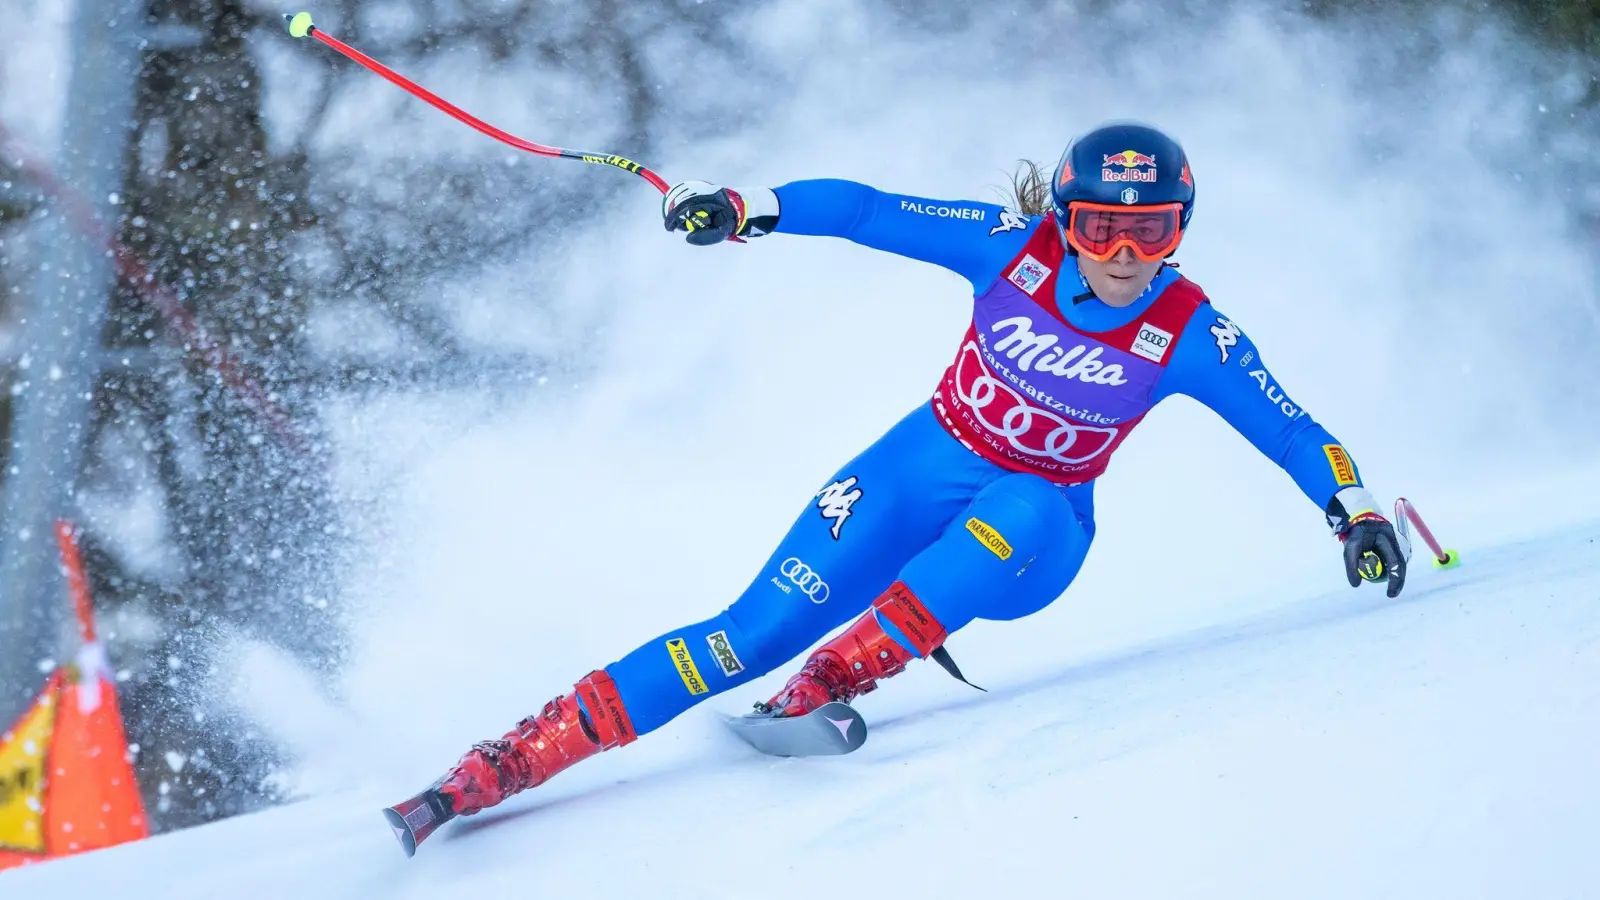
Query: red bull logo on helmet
x,y
1134,166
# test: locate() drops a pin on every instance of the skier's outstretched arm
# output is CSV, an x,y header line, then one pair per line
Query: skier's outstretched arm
x,y
972,239
1217,364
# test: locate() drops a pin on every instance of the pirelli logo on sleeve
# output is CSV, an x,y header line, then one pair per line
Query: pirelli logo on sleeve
x,y
988,537
686,668
1344,471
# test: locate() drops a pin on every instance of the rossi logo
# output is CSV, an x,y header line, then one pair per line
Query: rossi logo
x,y
835,501
1344,471
1152,342
685,666
722,652
988,537
1029,274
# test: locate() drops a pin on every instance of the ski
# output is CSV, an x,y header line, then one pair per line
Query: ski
x,y
832,729
413,820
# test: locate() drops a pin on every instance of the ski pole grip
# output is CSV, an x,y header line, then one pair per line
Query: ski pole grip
x,y
299,24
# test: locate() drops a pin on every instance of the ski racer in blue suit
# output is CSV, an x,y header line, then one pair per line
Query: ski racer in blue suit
x,y
980,502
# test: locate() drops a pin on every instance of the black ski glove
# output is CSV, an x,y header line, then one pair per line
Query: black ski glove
x,y
712,214
1372,550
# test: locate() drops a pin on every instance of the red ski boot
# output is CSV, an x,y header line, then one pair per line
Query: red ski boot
x,y
527,756
853,663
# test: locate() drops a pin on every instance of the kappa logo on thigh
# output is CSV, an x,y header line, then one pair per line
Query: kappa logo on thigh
x,y
835,502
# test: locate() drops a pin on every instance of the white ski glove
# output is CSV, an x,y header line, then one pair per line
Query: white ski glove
x,y
712,214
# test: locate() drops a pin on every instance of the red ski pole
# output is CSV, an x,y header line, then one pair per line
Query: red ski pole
x,y
300,26
1404,512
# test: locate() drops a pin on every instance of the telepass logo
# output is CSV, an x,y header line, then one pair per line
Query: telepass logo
x,y
684,663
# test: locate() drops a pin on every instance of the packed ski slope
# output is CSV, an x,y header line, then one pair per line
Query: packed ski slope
x,y
1342,745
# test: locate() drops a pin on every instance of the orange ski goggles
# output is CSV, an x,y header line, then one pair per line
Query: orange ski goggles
x,y
1099,230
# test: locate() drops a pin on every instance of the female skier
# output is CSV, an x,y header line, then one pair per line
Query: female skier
x,y
979,503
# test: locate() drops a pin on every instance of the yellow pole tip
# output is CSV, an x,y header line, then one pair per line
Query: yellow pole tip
x,y
299,24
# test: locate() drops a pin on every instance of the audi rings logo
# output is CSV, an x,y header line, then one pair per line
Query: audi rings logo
x,y
803,577
1028,428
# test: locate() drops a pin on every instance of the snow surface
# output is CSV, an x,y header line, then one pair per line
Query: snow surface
x,y
1343,745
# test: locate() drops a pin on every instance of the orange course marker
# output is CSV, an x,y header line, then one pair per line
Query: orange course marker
x,y
66,780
